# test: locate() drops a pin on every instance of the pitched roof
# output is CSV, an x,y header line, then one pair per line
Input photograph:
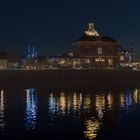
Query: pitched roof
x,y
85,37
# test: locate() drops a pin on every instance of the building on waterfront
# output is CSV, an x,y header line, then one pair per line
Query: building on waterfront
x,y
99,51
93,50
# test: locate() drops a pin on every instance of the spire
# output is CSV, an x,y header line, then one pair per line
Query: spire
x,y
91,30
34,52
33,49
28,52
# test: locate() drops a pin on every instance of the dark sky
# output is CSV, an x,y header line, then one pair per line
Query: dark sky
x,y
52,25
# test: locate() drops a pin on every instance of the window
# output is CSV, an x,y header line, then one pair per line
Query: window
x,y
110,62
121,58
87,61
99,60
99,50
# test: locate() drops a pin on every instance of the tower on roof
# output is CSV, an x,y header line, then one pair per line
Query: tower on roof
x,y
91,30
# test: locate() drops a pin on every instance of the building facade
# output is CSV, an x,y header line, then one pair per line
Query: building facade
x,y
96,50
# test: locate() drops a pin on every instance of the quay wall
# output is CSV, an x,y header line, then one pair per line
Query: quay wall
x,y
69,74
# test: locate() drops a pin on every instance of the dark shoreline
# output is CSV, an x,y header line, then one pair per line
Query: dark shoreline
x,y
68,78
68,74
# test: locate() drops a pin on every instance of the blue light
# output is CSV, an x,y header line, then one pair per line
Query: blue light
x,y
128,99
31,108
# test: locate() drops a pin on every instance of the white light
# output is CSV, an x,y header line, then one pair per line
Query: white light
x,y
91,30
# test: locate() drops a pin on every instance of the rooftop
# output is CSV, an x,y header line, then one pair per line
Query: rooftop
x,y
92,35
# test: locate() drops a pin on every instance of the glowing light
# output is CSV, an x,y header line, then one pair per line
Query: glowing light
x,y
136,95
87,103
87,61
128,98
92,126
91,30
61,62
2,121
110,62
122,58
110,101
31,108
68,104
62,103
122,100
75,101
100,105
57,105
99,60
52,105
80,101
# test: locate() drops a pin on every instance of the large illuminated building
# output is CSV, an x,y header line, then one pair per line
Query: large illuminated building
x,y
98,51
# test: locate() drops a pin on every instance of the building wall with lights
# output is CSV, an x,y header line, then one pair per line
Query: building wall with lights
x,y
99,51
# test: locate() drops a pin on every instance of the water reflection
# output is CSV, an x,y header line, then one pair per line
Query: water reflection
x,y
77,104
87,113
92,126
122,100
31,108
62,104
110,101
136,96
100,105
127,99
2,121
87,103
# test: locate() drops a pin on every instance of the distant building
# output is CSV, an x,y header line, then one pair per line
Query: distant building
x,y
3,60
13,60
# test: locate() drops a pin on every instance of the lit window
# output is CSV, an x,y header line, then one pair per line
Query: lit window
x,y
62,61
87,61
70,54
122,58
96,60
99,60
99,51
110,62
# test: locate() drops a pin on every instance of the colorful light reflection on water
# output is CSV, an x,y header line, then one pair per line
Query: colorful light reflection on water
x,y
31,108
86,111
2,121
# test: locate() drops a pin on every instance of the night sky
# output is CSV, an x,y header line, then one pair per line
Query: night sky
x,y
52,25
